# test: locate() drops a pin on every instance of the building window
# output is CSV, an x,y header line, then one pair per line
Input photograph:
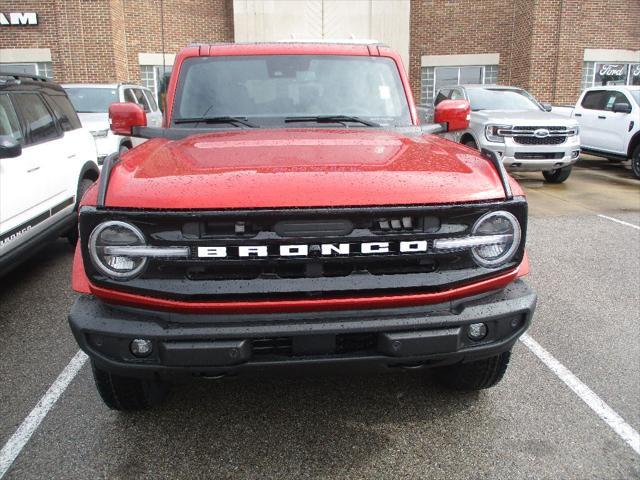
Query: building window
x,y
151,76
43,69
434,78
601,73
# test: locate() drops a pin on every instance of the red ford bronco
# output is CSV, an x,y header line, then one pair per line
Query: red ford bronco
x,y
293,212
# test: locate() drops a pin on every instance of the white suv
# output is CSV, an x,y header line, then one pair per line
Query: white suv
x,y
92,101
47,162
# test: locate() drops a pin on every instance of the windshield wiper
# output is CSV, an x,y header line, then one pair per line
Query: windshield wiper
x,y
331,119
223,119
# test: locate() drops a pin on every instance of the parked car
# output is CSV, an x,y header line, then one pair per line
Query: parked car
x,y
92,101
295,214
47,162
609,119
520,130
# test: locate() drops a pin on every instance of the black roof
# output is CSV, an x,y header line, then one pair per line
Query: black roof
x,y
23,81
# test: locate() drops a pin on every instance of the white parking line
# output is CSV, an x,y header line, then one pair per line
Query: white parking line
x,y
19,439
621,222
588,396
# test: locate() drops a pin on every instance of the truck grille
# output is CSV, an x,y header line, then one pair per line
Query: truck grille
x,y
314,275
536,135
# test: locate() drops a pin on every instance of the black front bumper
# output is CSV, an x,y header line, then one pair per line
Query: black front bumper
x,y
216,344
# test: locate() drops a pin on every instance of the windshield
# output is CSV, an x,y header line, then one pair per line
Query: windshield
x,y
267,89
501,99
92,100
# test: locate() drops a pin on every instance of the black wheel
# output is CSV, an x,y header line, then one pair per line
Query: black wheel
x,y
474,375
558,175
635,161
471,143
123,149
128,393
83,186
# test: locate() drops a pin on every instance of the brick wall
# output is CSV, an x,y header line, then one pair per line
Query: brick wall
x,y
99,40
541,43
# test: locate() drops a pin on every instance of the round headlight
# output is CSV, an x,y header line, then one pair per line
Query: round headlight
x,y
504,227
116,234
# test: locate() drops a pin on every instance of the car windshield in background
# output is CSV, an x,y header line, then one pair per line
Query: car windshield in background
x,y
636,95
277,90
501,99
92,100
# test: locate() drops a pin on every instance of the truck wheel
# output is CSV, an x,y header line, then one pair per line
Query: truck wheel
x,y
471,143
558,175
635,161
474,375
83,186
128,393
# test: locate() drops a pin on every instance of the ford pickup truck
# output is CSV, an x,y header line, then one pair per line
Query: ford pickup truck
x,y
292,213
521,131
609,118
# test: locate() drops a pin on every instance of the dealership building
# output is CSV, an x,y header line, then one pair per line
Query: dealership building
x,y
553,48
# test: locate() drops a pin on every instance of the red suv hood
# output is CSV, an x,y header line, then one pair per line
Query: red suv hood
x,y
300,168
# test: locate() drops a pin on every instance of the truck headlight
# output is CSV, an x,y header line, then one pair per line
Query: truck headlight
x,y
491,132
504,231
116,234
100,133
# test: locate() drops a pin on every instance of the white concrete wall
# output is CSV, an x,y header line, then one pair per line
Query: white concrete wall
x,y
266,20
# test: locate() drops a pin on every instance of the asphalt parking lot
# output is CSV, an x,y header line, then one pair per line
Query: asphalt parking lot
x,y
584,244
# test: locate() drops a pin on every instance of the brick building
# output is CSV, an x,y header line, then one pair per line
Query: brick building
x,y
553,48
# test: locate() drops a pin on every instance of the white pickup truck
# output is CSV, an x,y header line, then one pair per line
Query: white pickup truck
x,y
609,119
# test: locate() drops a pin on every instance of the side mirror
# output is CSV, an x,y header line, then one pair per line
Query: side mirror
x,y
547,107
9,147
124,116
621,107
454,113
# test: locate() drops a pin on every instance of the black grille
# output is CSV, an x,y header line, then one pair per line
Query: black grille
x,y
539,141
538,155
312,276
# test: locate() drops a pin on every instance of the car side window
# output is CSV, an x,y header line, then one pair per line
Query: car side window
x,y
141,99
64,112
9,124
595,100
128,96
151,100
456,95
615,97
442,95
41,126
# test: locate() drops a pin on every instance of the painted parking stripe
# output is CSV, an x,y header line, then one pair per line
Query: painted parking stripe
x,y
19,439
588,396
621,222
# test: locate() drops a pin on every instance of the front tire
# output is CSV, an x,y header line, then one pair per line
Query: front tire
x,y
476,375
635,161
471,143
558,175
128,393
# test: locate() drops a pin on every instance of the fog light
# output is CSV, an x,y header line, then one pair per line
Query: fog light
x,y
141,347
575,154
477,331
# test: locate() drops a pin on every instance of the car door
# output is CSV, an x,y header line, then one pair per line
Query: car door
x,y
614,125
590,107
45,149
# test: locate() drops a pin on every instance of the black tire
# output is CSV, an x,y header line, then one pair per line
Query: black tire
x,y
83,186
476,375
471,143
128,393
635,161
558,175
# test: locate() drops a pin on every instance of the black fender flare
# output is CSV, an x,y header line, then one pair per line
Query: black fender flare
x,y
635,140
89,170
